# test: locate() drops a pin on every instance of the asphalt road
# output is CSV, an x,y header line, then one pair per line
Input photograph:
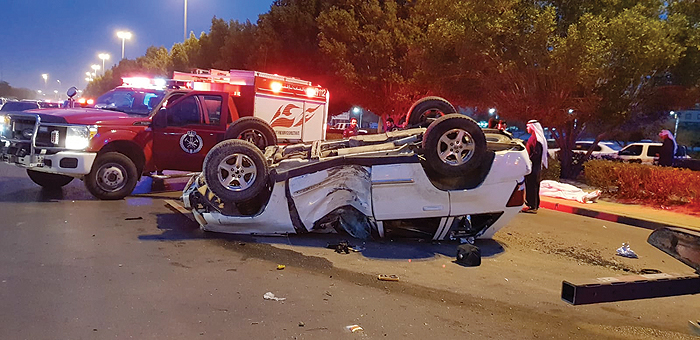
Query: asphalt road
x,y
72,267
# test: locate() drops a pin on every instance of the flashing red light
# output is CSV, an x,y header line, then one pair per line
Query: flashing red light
x,y
311,92
276,87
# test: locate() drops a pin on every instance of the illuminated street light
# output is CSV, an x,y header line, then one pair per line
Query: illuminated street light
x,y
103,56
55,92
492,111
95,67
358,111
675,129
123,35
46,78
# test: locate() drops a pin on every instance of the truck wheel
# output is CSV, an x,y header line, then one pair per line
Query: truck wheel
x,y
113,176
426,108
454,145
235,170
253,130
48,180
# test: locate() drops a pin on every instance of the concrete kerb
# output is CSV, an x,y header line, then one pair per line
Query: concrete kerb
x,y
638,221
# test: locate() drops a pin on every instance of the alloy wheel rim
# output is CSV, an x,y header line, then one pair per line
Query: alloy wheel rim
x,y
237,172
456,147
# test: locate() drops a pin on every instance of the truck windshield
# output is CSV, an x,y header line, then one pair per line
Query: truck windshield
x,y
128,100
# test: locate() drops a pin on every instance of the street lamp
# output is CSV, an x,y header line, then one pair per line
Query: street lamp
x,y
123,35
103,56
95,67
46,78
675,129
358,111
56,93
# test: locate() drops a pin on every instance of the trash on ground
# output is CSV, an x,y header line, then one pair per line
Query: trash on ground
x,y
301,324
280,266
626,251
384,277
354,328
341,247
270,296
133,218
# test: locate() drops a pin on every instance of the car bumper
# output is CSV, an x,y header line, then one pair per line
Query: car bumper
x,y
71,163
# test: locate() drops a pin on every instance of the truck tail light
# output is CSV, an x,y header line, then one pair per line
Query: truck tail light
x,y
517,198
276,87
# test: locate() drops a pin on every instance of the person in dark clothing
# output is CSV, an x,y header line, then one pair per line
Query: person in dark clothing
x,y
493,123
390,126
668,148
537,149
352,129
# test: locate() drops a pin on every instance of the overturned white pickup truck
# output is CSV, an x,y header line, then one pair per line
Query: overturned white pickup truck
x,y
447,181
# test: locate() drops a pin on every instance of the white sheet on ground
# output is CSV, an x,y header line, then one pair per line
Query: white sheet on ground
x,y
567,191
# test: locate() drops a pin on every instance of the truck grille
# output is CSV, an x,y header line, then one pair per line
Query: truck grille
x,y
21,129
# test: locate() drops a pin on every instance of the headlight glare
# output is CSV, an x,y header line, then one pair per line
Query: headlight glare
x,y
77,137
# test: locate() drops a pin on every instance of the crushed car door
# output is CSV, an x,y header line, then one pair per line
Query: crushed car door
x,y
403,191
192,126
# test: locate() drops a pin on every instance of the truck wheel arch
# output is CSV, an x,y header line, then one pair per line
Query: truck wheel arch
x,y
129,149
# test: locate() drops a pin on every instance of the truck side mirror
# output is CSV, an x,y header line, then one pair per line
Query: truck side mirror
x,y
72,92
160,118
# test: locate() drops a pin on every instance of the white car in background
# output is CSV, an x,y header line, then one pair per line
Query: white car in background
x,y
647,153
602,150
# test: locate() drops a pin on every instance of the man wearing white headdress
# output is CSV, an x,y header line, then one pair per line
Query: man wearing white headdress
x,y
537,149
668,148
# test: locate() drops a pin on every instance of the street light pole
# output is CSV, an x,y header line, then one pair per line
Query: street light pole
x,y
103,56
185,36
46,78
675,129
123,35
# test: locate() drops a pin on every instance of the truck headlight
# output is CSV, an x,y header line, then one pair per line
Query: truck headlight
x,y
4,123
78,137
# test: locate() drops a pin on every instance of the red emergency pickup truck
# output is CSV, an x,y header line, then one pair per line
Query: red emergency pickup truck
x,y
150,125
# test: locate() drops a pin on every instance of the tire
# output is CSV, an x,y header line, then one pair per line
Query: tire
x,y
253,130
113,176
48,180
469,255
428,108
453,145
235,170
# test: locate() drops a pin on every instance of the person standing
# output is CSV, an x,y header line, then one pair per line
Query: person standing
x,y
537,150
352,129
668,148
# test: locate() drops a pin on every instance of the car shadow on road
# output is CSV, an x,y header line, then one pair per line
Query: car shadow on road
x,y
177,227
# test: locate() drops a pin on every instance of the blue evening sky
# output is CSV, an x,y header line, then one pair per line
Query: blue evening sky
x,y
63,38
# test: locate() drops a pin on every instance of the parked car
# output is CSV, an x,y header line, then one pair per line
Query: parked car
x,y
646,153
448,181
20,106
602,150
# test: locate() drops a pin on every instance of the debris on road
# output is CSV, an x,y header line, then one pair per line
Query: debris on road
x,y
341,247
280,267
354,328
133,218
626,251
270,296
301,324
384,277
694,327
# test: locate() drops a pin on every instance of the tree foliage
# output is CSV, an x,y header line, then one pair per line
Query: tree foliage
x,y
603,68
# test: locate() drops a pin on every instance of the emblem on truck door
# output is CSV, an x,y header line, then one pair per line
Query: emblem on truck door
x,y
191,142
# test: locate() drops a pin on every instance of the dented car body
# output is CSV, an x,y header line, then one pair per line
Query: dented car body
x,y
385,185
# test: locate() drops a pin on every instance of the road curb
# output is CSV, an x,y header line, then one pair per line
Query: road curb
x,y
636,222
